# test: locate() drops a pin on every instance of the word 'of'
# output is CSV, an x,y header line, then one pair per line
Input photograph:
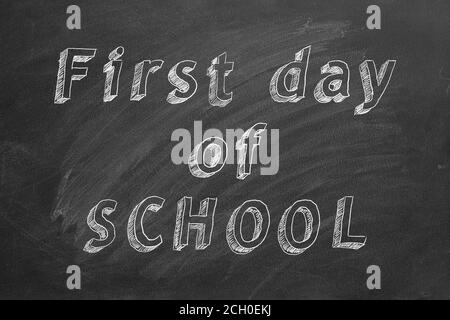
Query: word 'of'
x,y
203,224
287,84
211,152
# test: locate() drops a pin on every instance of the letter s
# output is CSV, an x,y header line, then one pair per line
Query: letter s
x,y
103,227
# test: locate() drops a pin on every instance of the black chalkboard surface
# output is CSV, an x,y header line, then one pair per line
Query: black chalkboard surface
x,y
111,187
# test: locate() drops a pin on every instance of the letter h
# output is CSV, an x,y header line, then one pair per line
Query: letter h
x,y
203,223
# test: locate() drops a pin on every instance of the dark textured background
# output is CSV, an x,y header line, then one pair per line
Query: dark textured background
x,y
57,161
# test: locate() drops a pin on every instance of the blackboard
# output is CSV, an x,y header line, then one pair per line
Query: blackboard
x,y
389,165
